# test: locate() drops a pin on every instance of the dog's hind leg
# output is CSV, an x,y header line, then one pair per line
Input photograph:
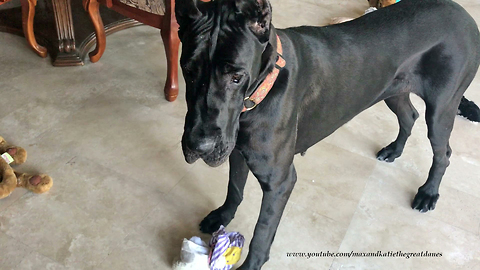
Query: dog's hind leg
x,y
406,114
443,86
441,109
439,117
237,179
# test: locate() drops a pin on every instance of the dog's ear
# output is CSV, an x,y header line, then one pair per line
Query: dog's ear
x,y
186,11
261,25
259,14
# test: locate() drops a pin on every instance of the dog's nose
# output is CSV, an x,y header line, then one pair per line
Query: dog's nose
x,y
206,145
202,146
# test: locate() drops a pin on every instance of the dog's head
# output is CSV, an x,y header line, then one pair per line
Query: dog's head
x,y
226,50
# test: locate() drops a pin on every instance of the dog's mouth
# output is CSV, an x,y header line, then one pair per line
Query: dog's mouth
x,y
216,158
219,155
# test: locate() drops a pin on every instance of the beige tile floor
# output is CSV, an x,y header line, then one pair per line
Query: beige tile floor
x,y
124,198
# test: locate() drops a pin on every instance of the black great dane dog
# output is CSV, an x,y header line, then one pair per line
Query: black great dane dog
x,y
322,77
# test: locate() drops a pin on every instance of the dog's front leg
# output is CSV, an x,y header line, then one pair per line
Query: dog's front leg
x,y
237,179
277,186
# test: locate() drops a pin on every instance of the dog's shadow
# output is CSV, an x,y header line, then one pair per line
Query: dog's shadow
x,y
188,213
174,235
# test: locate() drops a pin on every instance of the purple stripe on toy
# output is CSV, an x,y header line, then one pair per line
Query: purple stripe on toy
x,y
220,247
221,241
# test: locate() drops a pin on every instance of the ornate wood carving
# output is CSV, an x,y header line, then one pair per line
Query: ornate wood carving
x,y
59,29
67,54
63,18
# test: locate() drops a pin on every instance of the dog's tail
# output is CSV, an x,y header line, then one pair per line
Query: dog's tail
x,y
469,110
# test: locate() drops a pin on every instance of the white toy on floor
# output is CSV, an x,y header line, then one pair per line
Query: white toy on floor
x,y
193,256
222,252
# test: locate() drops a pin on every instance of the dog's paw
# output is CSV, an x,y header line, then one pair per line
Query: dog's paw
x,y
388,154
211,223
424,201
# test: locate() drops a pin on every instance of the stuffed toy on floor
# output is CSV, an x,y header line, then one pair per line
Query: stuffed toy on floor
x,y
10,179
222,252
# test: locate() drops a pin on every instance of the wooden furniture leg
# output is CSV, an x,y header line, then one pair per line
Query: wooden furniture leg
x,y
64,27
169,32
28,13
67,54
92,7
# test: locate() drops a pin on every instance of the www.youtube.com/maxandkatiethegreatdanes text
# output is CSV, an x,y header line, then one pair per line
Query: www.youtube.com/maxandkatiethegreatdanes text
x,y
379,254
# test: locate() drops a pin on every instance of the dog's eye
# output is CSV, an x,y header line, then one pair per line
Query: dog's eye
x,y
236,78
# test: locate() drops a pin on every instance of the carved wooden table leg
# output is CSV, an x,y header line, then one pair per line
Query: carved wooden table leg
x,y
63,27
92,7
171,42
67,56
28,13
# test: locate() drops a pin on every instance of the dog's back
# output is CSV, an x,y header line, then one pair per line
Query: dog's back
x,y
413,46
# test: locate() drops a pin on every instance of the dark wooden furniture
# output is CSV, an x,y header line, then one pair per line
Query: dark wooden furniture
x,y
28,13
63,27
149,13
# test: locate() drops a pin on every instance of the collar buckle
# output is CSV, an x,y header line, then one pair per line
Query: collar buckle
x,y
248,104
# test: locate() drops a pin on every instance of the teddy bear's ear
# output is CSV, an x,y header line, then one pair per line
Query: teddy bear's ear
x,y
373,3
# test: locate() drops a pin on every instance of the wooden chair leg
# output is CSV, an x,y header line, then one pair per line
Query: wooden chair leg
x,y
92,7
28,13
169,32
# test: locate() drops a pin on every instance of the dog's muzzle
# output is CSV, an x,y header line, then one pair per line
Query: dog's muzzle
x,y
213,153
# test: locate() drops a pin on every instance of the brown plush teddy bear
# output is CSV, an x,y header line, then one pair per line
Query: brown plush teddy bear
x,y
10,179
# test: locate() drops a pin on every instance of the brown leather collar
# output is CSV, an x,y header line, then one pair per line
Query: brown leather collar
x,y
254,99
